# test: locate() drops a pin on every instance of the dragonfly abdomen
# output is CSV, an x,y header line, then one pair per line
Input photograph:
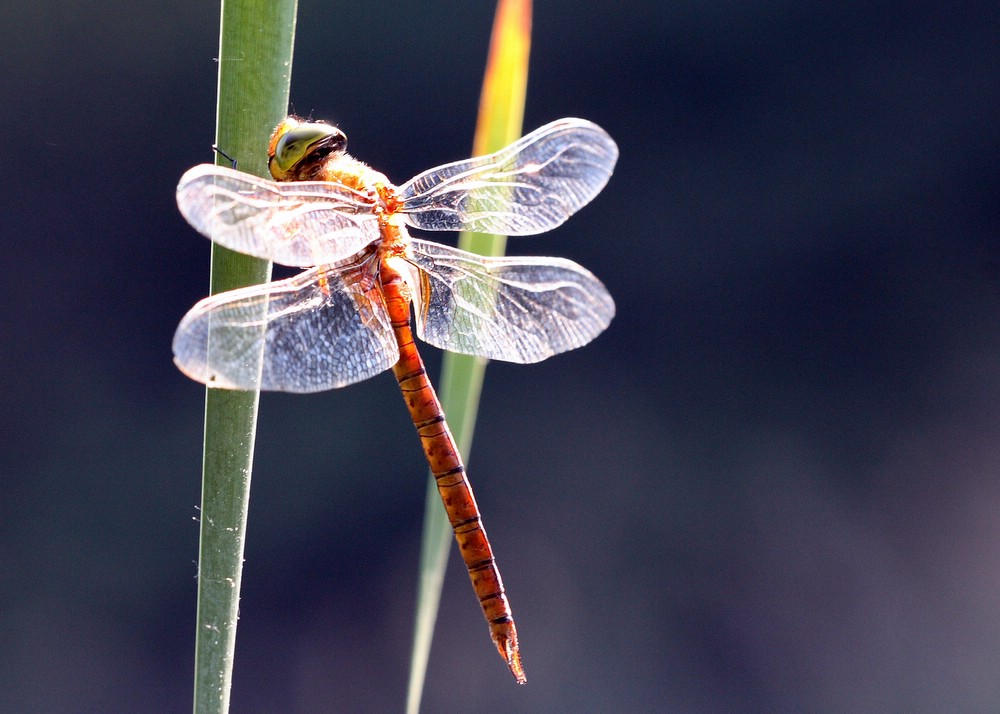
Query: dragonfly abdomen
x,y
449,473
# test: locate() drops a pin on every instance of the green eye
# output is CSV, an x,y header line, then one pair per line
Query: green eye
x,y
301,140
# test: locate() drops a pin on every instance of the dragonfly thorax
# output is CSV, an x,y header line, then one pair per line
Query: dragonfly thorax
x,y
348,171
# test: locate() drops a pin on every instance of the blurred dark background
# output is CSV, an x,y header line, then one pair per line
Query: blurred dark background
x,y
772,485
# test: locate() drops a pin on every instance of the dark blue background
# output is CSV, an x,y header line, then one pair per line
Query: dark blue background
x,y
772,485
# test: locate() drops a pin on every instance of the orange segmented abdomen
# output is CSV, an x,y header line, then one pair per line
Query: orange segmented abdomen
x,y
449,473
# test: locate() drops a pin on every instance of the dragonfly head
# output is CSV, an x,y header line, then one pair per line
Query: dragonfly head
x,y
298,148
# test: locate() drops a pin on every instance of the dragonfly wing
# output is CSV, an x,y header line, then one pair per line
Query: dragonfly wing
x,y
517,309
316,331
529,187
298,223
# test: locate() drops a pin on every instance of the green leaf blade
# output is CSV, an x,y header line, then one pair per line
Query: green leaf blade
x,y
501,111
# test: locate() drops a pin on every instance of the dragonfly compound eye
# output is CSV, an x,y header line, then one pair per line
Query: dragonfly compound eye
x,y
307,140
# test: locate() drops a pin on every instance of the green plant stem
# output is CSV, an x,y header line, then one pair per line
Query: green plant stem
x,y
255,55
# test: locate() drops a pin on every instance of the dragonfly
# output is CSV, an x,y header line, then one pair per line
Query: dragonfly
x,y
347,316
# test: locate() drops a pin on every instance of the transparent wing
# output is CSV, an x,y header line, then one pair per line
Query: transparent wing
x,y
517,309
298,223
532,186
318,330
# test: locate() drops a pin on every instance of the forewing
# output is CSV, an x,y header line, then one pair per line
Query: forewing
x,y
529,187
316,331
301,223
517,309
